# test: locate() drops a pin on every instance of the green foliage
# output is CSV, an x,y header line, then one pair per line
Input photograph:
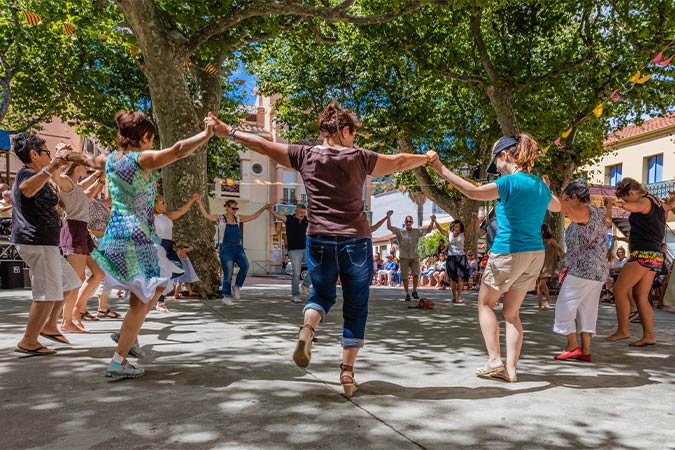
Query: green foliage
x,y
428,244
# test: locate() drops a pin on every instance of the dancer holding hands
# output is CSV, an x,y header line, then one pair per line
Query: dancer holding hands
x,y
338,236
517,253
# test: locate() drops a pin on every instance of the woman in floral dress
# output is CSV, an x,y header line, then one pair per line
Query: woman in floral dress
x,y
129,252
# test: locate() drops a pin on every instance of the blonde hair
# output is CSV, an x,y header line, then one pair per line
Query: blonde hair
x,y
159,198
525,152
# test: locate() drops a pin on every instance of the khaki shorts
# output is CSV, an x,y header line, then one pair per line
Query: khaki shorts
x,y
513,271
50,273
409,265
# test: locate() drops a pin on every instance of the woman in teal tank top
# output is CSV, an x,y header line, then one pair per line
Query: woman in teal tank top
x,y
517,253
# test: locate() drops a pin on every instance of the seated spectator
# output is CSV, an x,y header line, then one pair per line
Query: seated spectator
x,y
616,264
390,267
378,264
6,205
440,275
426,275
472,263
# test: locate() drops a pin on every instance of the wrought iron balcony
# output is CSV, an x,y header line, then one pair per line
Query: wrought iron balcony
x,y
662,188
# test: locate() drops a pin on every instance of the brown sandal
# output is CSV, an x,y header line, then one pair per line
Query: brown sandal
x,y
87,316
303,349
349,384
107,313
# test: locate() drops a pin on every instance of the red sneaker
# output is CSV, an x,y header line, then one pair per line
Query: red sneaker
x,y
573,354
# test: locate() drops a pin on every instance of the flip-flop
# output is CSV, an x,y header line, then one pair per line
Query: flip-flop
x,y
488,371
61,339
35,351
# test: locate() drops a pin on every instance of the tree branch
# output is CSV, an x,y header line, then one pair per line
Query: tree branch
x,y
457,77
318,34
556,72
294,8
474,25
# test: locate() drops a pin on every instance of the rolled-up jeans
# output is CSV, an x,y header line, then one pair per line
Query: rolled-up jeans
x,y
229,254
296,257
351,259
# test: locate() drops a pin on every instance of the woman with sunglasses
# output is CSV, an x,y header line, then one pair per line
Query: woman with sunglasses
x,y
648,224
338,237
231,248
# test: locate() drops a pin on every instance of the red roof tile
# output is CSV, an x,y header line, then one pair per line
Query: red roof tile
x,y
636,130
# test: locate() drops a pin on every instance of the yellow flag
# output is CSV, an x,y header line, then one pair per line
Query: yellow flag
x,y
32,19
103,36
68,28
598,110
211,69
133,49
639,80
566,133
188,63
230,182
545,149
450,187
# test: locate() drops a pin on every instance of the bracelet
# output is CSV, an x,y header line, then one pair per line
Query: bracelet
x,y
46,172
232,134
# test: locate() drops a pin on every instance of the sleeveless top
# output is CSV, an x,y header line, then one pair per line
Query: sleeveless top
x,y
647,230
164,227
588,262
75,203
455,244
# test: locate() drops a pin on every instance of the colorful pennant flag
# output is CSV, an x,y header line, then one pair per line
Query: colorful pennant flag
x,y
545,150
211,69
660,61
32,19
188,63
557,143
615,96
637,80
567,133
68,28
597,111
133,49
103,36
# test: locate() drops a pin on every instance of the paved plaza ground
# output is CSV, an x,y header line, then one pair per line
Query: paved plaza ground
x,y
222,377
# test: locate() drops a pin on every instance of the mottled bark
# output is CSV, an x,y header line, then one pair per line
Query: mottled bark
x,y
176,117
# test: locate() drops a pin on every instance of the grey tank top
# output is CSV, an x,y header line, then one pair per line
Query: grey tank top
x,y
76,203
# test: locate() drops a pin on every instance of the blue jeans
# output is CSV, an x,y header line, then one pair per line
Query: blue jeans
x,y
296,257
228,256
352,260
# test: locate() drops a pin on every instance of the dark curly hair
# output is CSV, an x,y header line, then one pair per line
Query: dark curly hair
x,y
461,225
23,143
626,185
333,119
578,188
132,126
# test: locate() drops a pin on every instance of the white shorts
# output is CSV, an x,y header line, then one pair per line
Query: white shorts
x,y
50,273
578,300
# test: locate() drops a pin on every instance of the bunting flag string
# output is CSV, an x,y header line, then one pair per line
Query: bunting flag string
x,y
637,78
68,28
32,19
210,69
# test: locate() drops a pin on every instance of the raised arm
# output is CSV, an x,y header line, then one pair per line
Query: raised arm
x,y
443,231
91,179
207,216
153,160
85,159
388,164
555,205
32,186
276,214
255,215
485,192
377,225
278,152
430,228
389,227
180,212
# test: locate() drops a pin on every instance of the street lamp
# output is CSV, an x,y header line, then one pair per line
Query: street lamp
x,y
465,170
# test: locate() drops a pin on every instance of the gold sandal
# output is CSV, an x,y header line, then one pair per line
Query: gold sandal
x,y
349,384
303,349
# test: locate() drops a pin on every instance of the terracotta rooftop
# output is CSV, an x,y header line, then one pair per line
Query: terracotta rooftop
x,y
647,126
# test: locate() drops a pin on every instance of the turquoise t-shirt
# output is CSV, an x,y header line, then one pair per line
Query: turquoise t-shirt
x,y
522,204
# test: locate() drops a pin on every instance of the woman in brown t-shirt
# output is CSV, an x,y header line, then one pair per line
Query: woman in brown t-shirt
x,y
338,236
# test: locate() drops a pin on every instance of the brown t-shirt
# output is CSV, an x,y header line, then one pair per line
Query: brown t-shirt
x,y
334,180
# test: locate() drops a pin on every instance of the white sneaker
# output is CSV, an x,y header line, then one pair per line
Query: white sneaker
x,y
305,290
227,301
236,292
296,299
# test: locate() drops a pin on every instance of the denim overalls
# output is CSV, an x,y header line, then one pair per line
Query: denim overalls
x,y
231,251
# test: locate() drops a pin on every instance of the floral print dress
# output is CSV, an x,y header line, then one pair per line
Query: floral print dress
x,y
129,253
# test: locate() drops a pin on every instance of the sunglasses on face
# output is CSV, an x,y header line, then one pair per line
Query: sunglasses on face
x,y
41,150
234,208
